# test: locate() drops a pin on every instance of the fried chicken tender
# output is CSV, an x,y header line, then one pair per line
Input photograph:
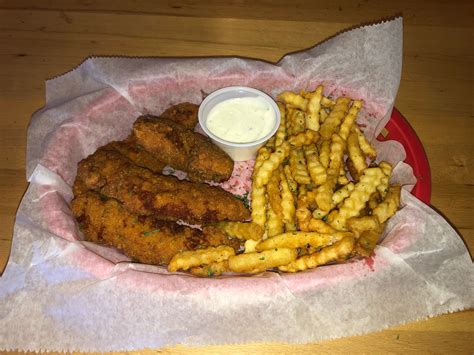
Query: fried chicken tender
x,y
165,197
142,238
138,155
182,149
186,114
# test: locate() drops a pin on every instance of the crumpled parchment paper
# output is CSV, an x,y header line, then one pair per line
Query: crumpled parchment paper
x,y
60,293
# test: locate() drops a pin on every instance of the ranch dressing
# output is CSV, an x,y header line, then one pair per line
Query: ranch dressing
x,y
241,120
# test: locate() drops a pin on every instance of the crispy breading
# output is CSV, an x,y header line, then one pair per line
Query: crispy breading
x,y
184,113
110,174
143,238
138,155
183,149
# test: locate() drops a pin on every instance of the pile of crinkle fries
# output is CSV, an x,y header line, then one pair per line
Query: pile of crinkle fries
x,y
317,194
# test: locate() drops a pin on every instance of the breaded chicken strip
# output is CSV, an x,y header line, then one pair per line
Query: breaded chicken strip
x,y
143,238
138,155
186,114
183,149
111,174
183,113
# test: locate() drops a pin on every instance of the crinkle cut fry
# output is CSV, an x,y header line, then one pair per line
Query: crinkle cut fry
x,y
387,170
325,191
259,201
389,205
300,239
262,155
337,252
316,170
307,137
317,225
364,144
271,164
332,122
292,99
314,106
264,173
192,258
298,167
274,195
355,154
356,201
342,193
324,152
350,118
342,178
274,224
288,204
327,102
322,115
289,179
241,230
258,262
258,196
281,132
358,225
367,230
210,270
295,121
303,217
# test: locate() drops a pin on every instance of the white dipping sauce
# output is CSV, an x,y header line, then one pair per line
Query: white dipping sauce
x,y
241,120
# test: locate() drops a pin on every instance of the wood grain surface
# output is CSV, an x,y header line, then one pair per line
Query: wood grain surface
x,y
42,39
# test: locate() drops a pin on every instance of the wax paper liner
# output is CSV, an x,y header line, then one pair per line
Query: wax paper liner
x,y
66,294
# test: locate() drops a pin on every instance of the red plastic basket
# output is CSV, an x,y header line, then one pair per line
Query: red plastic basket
x,y
400,130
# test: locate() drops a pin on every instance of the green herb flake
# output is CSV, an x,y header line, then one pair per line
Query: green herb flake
x,y
210,273
245,199
325,218
148,233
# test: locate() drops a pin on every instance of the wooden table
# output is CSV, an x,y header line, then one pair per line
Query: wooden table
x,y
42,39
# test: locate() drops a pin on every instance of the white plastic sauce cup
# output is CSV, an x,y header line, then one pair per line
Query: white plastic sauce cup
x,y
237,151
